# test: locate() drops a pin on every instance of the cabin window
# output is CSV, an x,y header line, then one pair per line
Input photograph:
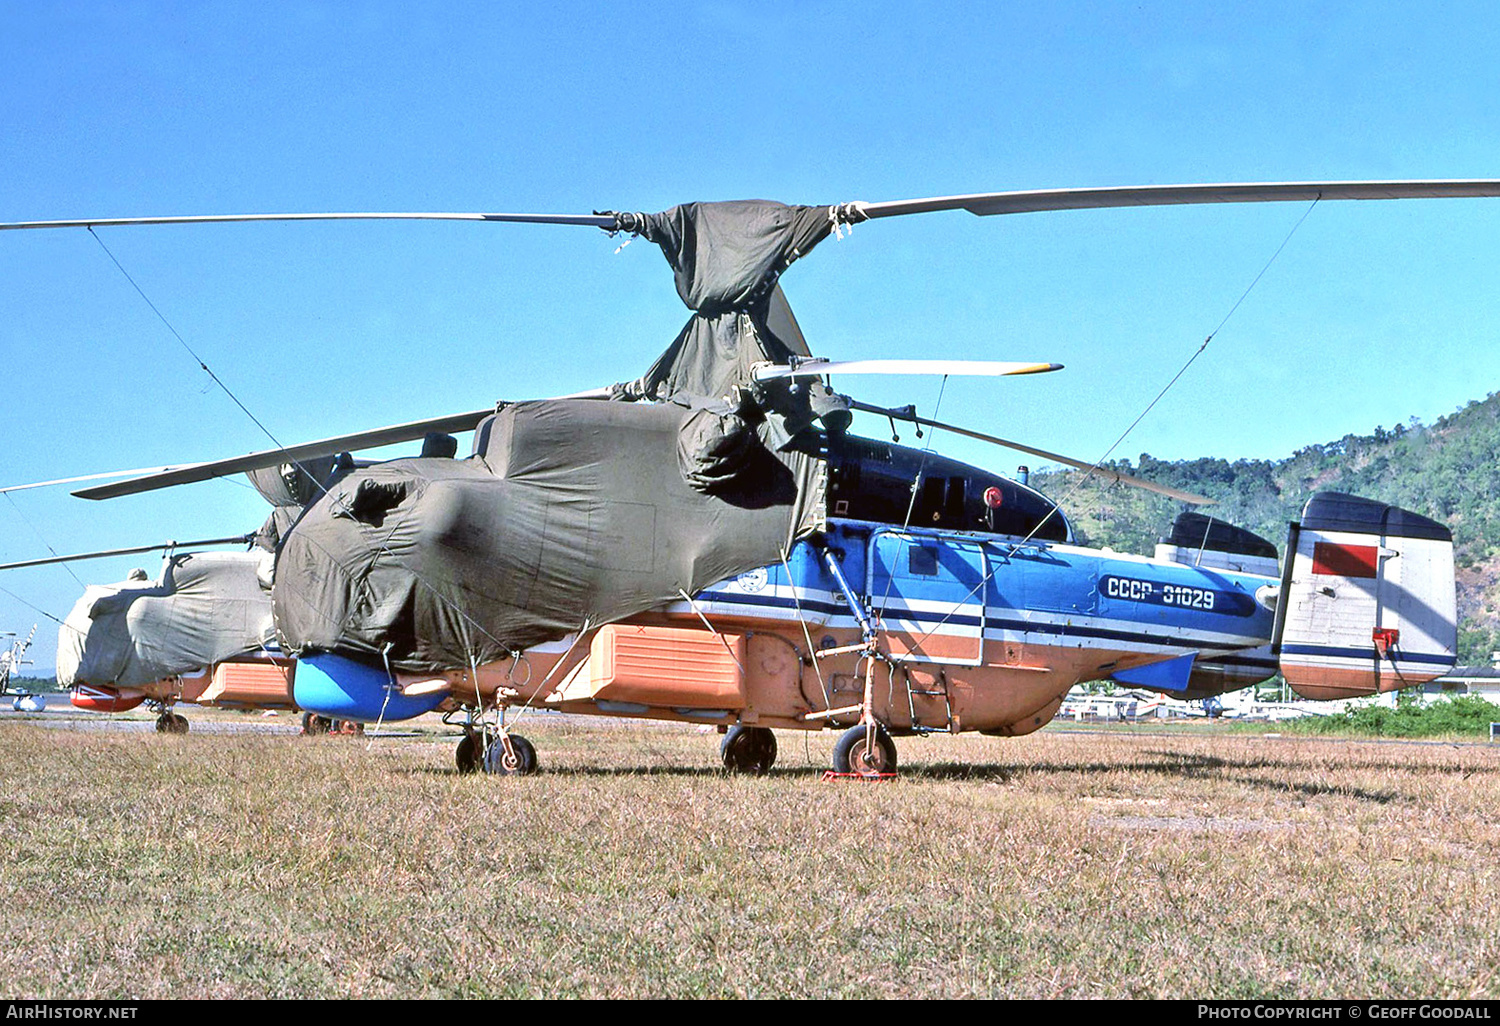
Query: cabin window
x,y
922,560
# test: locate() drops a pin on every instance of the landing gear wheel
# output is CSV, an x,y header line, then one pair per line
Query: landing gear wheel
x,y
748,750
313,724
171,723
853,754
499,762
466,757
348,728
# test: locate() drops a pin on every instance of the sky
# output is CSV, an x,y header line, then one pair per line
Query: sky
x,y
1366,314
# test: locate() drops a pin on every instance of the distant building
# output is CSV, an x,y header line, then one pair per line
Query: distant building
x,y
1483,681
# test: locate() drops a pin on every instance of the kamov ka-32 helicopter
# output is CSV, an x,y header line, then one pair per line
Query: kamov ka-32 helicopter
x,y
711,545
199,633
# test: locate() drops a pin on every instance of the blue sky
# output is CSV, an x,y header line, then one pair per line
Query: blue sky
x,y
1374,312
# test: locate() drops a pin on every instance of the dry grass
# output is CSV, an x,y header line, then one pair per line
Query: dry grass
x,y
1078,865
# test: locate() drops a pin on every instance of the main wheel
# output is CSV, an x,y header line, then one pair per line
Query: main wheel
x,y
748,750
466,757
351,728
853,753
171,723
497,761
314,724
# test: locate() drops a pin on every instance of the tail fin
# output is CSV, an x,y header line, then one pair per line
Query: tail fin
x,y
1367,599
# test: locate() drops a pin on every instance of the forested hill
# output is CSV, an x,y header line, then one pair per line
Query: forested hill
x,y
1449,470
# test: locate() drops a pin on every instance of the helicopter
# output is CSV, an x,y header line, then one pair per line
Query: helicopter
x,y
200,633
22,700
709,544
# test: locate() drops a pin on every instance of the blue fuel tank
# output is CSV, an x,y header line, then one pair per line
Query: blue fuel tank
x,y
344,689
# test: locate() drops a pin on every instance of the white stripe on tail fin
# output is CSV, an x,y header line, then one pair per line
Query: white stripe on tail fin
x,y
1367,602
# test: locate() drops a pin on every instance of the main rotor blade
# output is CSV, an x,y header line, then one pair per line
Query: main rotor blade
x,y
86,477
194,472
371,439
1036,200
981,203
239,539
588,220
980,368
1113,475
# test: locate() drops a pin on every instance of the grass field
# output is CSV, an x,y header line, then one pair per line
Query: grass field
x,y
1108,864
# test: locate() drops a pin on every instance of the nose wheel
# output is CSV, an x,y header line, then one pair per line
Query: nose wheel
x,y
171,723
516,760
865,751
490,752
468,754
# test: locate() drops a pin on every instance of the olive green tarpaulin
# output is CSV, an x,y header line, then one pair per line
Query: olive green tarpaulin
x,y
727,260
577,512
204,608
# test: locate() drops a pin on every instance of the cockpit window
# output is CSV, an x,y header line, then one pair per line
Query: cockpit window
x,y
892,484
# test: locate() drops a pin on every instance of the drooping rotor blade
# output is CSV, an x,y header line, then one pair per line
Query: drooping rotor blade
x,y
1113,475
371,439
239,539
1036,200
588,220
982,368
194,472
86,477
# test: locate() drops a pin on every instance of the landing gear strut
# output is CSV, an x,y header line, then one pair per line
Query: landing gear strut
x,y
167,722
748,750
865,750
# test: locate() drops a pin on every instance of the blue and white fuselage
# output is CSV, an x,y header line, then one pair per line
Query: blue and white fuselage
x,y
971,599
930,628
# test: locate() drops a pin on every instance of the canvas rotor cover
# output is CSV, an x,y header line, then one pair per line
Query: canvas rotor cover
x,y
205,607
288,488
573,512
727,259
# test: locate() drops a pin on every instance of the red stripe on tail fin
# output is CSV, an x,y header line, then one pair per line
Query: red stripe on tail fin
x,y
1345,560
